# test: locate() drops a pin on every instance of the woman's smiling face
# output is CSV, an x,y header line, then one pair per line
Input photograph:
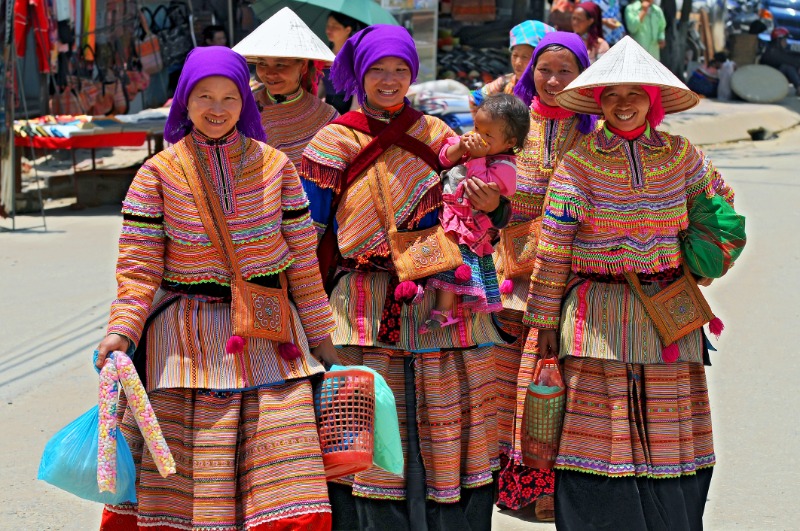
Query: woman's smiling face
x,y
214,106
281,75
625,106
386,82
554,70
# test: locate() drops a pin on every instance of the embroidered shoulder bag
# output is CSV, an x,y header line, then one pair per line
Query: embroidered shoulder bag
x,y
415,253
676,310
256,311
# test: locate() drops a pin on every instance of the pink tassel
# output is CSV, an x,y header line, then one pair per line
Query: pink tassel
x,y
235,345
716,326
405,291
463,273
507,287
671,353
289,351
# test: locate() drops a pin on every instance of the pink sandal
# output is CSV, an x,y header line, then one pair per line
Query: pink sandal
x,y
432,323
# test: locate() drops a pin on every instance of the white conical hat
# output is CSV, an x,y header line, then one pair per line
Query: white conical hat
x,y
626,63
283,35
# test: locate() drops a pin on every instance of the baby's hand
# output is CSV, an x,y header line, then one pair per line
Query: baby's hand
x,y
476,146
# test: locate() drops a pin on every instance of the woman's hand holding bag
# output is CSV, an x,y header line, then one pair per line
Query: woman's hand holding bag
x,y
548,342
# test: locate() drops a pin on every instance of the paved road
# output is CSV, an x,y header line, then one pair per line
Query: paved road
x,y
56,287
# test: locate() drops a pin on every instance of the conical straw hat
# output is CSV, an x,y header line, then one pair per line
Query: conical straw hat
x,y
283,35
626,63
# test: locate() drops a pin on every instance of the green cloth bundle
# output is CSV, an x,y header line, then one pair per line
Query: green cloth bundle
x,y
715,237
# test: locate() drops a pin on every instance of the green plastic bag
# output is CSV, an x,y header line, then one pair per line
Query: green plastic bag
x,y
715,237
388,451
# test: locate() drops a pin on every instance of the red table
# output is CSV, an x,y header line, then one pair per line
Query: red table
x,y
99,140
87,141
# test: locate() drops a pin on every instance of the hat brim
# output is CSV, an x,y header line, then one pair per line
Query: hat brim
x,y
581,99
253,59
626,63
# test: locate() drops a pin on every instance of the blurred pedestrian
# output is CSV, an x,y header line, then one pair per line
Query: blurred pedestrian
x,y
613,29
561,14
587,21
214,35
777,55
338,29
646,24
523,38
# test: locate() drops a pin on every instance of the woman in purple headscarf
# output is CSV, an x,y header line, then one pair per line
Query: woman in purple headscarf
x,y
557,60
234,410
381,161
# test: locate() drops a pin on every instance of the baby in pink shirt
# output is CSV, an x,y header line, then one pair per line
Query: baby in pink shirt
x,y
486,153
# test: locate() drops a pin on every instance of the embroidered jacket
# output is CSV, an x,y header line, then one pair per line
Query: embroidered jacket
x,y
616,205
266,209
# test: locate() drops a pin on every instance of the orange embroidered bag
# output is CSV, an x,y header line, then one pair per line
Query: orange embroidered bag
x,y
676,310
415,253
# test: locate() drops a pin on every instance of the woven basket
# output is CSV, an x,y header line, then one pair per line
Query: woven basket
x,y
345,408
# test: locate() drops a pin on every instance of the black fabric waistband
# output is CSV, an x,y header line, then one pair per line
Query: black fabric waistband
x,y
213,290
668,275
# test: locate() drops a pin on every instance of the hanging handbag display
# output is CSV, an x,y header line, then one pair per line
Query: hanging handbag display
x,y
415,253
256,311
69,101
147,46
676,310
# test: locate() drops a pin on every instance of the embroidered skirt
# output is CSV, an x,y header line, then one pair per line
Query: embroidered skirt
x,y
481,293
518,485
633,420
455,417
245,460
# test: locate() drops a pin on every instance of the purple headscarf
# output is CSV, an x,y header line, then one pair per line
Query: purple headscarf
x,y
206,62
525,89
365,48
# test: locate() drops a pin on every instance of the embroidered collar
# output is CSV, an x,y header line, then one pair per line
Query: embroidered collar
x,y
384,115
605,140
226,140
628,135
285,98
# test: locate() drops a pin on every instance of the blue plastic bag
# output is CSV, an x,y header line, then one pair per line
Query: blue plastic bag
x,y
69,462
388,451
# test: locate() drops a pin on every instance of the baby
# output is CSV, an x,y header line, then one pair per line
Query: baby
x,y
487,153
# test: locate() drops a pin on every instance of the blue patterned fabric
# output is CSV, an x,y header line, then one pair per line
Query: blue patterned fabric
x,y
611,9
529,32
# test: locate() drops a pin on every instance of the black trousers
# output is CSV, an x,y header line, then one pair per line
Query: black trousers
x,y
586,502
472,513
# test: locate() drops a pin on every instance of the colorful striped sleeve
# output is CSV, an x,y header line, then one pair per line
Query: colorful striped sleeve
x,y
305,282
140,265
567,205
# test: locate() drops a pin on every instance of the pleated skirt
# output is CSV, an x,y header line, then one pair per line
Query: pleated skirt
x,y
245,460
635,420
